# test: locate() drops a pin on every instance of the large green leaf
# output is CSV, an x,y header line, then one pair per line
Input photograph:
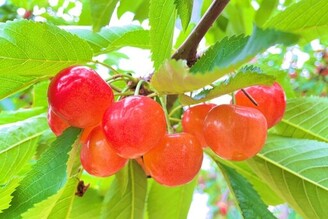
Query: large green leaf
x,y
32,51
19,115
173,77
162,15
230,53
262,188
248,76
131,203
101,12
88,206
265,11
6,193
18,142
184,8
176,200
47,177
305,118
296,169
308,18
248,200
113,38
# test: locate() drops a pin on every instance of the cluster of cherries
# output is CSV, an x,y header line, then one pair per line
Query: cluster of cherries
x,y
135,127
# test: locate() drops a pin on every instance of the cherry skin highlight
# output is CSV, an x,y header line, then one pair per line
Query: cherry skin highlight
x,y
193,121
80,96
176,159
97,156
134,125
56,124
235,132
271,101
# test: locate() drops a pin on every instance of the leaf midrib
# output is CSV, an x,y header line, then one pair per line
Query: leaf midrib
x,y
266,159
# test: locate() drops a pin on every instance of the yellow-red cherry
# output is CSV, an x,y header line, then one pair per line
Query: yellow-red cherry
x,y
271,101
193,121
97,156
56,124
175,160
134,125
80,96
235,132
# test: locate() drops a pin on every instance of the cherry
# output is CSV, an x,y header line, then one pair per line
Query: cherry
x,y
193,121
80,96
97,156
56,124
175,160
271,101
235,132
134,125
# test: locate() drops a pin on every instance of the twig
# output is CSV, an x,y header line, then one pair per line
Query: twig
x,y
188,50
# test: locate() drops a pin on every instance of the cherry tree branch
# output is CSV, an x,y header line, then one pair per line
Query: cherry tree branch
x,y
188,49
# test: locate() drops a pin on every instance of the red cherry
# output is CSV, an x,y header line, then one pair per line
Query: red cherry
x,y
193,121
223,207
56,124
271,101
80,96
134,125
175,160
235,132
97,156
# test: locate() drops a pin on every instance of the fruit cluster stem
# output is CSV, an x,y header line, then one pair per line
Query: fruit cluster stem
x,y
162,99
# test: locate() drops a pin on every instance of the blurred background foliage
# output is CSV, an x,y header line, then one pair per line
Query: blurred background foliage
x,y
301,69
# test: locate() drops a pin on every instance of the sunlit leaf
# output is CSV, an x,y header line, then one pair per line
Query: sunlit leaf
x,y
31,52
184,8
249,201
177,200
101,12
296,169
162,15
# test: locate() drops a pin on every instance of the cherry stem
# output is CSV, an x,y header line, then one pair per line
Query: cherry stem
x,y
121,77
233,101
107,66
249,97
152,95
124,91
175,119
137,90
115,88
162,99
124,94
174,110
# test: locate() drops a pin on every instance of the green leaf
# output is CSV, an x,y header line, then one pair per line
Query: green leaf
x,y
296,169
88,206
307,18
6,193
113,38
162,15
184,8
46,178
249,202
176,200
125,6
242,167
19,115
31,52
265,11
246,77
131,204
18,143
40,94
305,118
231,53
101,12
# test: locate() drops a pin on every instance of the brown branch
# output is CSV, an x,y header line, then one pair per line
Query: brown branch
x,y
188,50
